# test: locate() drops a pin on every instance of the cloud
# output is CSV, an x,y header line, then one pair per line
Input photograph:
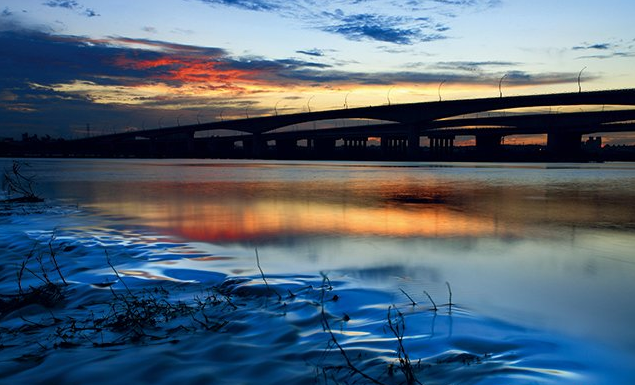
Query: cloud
x,y
71,5
251,5
611,50
472,66
395,22
128,71
90,13
86,65
515,78
119,78
68,4
608,56
599,46
312,52
149,29
390,29
6,12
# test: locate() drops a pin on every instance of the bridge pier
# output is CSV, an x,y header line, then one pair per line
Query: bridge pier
x,y
564,145
286,148
322,148
489,145
414,148
253,146
393,147
173,146
219,147
355,148
441,146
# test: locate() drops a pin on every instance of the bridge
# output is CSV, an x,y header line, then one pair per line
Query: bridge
x,y
399,134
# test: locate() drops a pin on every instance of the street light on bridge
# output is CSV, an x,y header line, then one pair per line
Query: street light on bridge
x,y
579,76
500,85
308,103
439,90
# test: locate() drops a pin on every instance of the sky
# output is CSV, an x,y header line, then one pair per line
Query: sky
x,y
123,65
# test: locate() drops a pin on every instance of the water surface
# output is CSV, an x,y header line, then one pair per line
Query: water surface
x,y
539,258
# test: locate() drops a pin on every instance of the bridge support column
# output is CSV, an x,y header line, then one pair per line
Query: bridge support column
x,y
189,144
414,148
441,147
564,145
322,148
489,145
254,146
286,148
153,148
393,147
218,147
179,145
355,148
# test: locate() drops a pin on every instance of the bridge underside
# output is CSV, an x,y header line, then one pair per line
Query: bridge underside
x,y
561,146
397,141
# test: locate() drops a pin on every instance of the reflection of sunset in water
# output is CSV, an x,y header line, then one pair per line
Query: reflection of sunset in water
x,y
539,245
221,222
242,212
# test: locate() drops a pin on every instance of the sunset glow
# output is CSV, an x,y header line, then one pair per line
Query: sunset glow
x,y
205,58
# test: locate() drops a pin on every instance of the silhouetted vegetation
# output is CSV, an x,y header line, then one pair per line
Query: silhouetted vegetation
x,y
16,182
152,315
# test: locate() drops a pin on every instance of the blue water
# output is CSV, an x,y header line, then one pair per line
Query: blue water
x,y
538,258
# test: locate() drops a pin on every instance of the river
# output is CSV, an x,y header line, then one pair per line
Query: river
x,y
521,273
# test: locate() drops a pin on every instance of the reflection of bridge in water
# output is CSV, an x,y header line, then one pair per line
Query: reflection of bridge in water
x,y
399,138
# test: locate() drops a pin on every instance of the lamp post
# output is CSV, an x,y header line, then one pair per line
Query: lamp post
x,y
439,90
308,103
579,76
500,86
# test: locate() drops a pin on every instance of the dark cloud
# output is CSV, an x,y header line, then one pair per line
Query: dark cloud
x,y
312,52
462,3
599,46
56,83
68,4
390,29
395,22
252,5
90,13
71,5
472,66
269,65
470,3
6,12
514,78
161,46
610,50
608,56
